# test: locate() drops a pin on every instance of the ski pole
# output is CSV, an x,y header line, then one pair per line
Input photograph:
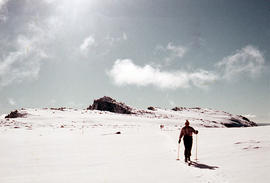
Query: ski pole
x,y
178,151
196,147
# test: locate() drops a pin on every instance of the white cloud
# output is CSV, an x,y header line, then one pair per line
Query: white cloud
x,y
178,51
11,101
125,72
3,11
87,43
172,52
2,3
112,40
202,78
25,52
109,42
24,63
248,61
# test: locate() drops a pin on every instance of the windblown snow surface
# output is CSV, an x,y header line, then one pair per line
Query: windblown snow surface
x,y
82,146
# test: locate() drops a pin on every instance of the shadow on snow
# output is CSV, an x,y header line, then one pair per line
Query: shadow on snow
x,y
203,166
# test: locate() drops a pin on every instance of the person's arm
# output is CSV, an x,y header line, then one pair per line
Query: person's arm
x,y
195,131
181,135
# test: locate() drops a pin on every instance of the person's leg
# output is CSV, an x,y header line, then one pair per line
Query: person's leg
x,y
189,146
186,147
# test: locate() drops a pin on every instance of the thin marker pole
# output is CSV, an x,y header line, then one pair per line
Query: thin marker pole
x,y
196,147
178,151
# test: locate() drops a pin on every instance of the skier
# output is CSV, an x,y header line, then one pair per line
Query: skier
x,y
187,133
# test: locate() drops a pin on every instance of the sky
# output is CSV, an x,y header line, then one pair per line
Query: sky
x,y
166,53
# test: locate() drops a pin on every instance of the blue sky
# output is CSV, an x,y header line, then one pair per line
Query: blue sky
x,y
211,53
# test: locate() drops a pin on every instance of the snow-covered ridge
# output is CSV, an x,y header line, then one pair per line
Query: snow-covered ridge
x,y
200,116
74,118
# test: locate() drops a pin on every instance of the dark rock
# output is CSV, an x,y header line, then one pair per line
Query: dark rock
x,y
58,109
15,114
231,125
151,108
198,108
235,120
118,133
239,123
178,108
244,118
108,104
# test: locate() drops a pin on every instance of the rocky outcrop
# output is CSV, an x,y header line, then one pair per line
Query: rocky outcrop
x,y
151,108
15,114
240,121
108,104
178,108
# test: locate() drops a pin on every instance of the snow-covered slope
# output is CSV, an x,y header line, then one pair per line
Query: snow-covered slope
x,y
71,117
69,145
200,117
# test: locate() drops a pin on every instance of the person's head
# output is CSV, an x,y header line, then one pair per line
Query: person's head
x,y
187,123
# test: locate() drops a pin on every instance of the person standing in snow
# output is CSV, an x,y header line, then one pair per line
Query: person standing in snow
x,y
187,132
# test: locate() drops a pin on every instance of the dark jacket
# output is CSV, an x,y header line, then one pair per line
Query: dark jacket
x,y
187,131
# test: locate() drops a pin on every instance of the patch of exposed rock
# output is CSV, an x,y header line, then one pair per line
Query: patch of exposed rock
x,y
108,104
15,114
240,121
178,108
151,108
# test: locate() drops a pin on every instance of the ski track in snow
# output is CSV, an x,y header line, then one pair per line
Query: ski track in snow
x,y
54,146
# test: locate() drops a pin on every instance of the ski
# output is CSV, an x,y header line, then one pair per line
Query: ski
x,y
188,162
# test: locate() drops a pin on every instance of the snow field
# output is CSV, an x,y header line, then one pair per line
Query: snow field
x,y
76,147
